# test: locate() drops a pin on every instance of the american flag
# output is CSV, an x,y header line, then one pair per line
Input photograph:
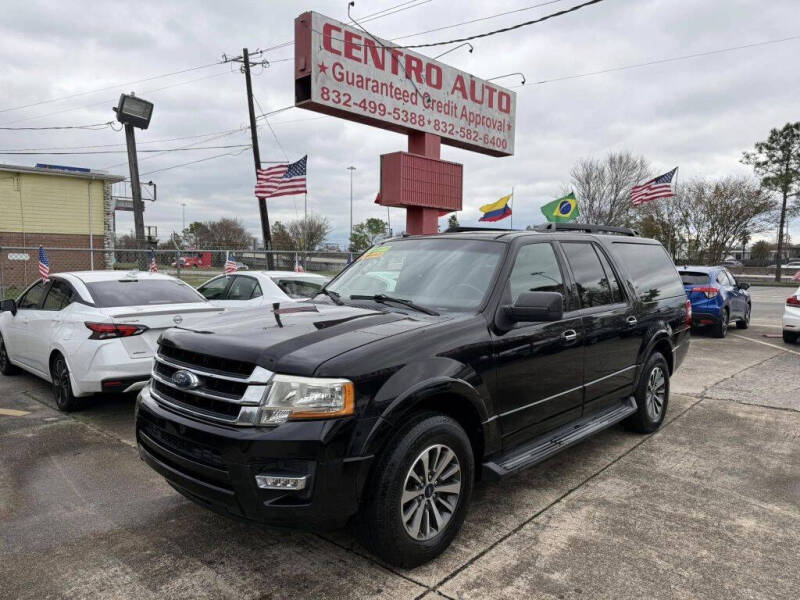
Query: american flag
x,y
230,264
153,264
44,265
660,187
282,180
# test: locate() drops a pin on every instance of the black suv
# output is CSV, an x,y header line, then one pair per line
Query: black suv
x,y
427,364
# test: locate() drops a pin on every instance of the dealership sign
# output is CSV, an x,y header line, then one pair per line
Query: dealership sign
x,y
345,72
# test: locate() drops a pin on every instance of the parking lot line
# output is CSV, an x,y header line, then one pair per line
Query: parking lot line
x,y
741,337
12,412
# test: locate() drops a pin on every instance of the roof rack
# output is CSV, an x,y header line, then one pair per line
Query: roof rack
x,y
461,229
586,228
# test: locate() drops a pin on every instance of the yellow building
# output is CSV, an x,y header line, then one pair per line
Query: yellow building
x,y
54,207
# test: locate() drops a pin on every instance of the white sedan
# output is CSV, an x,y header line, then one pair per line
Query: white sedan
x,y
94,331
791,318
256,288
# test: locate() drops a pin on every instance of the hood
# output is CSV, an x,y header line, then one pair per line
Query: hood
x,y
296,338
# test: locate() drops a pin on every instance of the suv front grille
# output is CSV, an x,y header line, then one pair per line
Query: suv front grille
x,y
208,406
206,362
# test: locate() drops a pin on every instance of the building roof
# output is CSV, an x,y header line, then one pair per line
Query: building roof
x,y
56,172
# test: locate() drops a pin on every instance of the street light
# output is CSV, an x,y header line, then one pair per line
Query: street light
x,y
135,112
351,169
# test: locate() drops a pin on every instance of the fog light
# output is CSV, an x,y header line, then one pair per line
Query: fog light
x,y
279,482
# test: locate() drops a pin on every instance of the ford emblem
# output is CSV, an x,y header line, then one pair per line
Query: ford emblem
x,y
177,319
186,380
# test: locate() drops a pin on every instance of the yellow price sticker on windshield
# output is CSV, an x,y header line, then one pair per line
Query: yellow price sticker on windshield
x,y
376,252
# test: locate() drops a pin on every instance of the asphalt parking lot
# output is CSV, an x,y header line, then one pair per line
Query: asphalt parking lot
x,y
707,507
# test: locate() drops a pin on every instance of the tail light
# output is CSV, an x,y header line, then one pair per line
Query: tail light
x,y
793,301
689,313
107,331
710,292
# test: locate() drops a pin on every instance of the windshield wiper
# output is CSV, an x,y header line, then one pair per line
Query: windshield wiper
x,y
383,298
332,295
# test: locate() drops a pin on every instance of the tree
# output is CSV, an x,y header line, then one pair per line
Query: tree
x,y
603,187
452,221
228,234
365,233
761,250
706,217
777,161
306,234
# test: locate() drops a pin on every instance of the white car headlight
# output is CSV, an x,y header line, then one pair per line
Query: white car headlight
x,y
292,397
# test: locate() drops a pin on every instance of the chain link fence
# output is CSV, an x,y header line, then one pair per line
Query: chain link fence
x,y
19,266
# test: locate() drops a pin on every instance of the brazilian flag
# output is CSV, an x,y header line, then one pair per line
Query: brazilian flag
x,y
562,210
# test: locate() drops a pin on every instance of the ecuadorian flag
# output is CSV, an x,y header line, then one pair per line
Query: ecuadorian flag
x,y
496,210
562,210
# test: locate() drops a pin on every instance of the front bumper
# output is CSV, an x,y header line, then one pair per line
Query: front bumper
x,y
216,465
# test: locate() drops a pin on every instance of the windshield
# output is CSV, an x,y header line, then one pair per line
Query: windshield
x,y
440,274
141,292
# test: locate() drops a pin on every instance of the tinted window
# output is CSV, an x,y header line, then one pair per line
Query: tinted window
x,y
33,297
616,290
215,289
448,274
593,286
242,288
693,278
298,288
58,297
653,274
535,270
142,292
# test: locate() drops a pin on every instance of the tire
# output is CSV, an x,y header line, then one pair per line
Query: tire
x,y
790,337
745,323
399,473
6,368
62,387
652,396
720,328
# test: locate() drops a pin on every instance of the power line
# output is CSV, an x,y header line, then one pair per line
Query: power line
x,y
502,14
159,150
506,29
664,60
274,135
116,86
193,162
90,127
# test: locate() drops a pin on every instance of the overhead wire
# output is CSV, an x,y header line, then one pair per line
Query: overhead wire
x,y
90,127
159,150
194,162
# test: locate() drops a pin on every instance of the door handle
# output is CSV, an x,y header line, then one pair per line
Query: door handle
x,y
570,335
631,321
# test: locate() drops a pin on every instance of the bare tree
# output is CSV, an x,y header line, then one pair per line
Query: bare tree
x,y
228,234
308,233
603,186
707,217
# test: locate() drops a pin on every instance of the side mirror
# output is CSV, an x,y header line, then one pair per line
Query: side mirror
x,y
8,305
536,306
744,285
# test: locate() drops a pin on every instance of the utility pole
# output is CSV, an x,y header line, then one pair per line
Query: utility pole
x,y
244,59
183,217
351,169
136,194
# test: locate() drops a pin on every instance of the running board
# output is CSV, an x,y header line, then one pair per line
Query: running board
x,y
555,441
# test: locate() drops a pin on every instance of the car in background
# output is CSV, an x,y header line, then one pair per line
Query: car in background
x,y
716,297
94,331
791,318
257,288
731,262
791,265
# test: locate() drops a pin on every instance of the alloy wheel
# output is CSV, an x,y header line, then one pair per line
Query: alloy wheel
x,y
656,393
431,492
61,384
3,355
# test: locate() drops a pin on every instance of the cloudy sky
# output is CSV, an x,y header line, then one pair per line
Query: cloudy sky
x,y
65,63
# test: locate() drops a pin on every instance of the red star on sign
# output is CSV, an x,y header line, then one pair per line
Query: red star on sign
x,y
323,68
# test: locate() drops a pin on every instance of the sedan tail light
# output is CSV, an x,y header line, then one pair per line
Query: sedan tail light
x,y
793,301
107,331
709,291
689,313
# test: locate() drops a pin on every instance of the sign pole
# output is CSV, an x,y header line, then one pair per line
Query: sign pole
x,y
512,208
136,193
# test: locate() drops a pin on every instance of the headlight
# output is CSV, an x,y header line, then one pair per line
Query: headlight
x,y
291,397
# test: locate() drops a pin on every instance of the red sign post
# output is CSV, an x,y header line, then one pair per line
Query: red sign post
x,y
345,72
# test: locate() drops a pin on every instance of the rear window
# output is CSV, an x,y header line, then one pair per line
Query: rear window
x,y
651,269
693,278
142,292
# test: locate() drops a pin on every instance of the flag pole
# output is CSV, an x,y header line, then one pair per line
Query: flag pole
x,y
512,208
